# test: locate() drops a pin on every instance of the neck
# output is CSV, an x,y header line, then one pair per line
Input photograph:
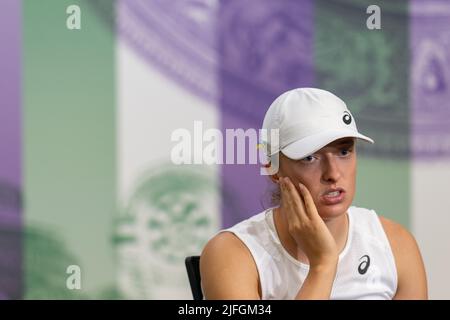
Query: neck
x,y
338,228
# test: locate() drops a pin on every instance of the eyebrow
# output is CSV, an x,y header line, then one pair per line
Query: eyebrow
x,y
349,142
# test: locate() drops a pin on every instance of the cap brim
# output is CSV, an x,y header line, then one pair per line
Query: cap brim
x,y
304,147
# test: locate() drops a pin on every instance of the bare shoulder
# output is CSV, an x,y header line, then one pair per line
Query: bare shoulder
x,y
398,235
228,270
402,242
412,282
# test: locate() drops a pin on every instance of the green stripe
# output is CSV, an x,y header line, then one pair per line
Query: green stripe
x,y
384,185
369,70
69,150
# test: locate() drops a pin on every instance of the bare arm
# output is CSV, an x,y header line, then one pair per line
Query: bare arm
x,y
228,270
318,283
412,281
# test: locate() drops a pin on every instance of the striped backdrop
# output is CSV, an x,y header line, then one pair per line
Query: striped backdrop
x,y
86,118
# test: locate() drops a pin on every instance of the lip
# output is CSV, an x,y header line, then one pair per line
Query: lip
x,y
333,200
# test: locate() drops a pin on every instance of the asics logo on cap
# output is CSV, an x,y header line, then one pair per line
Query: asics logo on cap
x,y
347,118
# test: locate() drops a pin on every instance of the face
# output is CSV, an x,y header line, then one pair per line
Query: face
x,y
332,167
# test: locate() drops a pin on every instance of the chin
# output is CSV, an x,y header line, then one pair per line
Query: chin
x,y
327,212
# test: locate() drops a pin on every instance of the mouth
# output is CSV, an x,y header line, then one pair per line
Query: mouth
x,y
333,196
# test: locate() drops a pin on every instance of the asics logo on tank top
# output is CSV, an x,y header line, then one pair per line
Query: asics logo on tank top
x,y
364,265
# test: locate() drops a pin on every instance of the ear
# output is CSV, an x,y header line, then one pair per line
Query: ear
x,y
273,177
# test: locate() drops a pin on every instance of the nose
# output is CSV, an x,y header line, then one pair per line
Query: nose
x,y
330,170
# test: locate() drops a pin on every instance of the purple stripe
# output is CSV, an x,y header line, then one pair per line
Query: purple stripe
x,y
265,48
10,149
430,78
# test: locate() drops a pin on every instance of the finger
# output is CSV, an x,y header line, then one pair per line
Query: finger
x,y
297,202
284,194
311,209
292,191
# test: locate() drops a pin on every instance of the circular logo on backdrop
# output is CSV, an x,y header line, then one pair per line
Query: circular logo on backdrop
x,y
48,257
171,214
179,37
430,75
401,103
254,52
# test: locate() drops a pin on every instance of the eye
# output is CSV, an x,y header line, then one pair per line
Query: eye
x,y
308,159
345,151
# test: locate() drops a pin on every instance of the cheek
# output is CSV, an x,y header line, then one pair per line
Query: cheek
x,y
312,186
309,177
315,193
351,184
352,175
293,172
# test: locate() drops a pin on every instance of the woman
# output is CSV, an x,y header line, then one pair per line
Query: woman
x,y
315,245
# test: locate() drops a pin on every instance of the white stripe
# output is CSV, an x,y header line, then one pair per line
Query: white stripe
x,y
150,107
431,221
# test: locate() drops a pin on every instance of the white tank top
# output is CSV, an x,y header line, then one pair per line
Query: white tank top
x,y
366,268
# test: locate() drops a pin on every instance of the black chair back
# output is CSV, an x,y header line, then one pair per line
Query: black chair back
x,y
193,270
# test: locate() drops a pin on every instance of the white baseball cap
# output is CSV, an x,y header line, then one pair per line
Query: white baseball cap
x,y
307,119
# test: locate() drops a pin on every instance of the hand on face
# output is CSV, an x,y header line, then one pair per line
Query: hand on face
x,y
305,225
